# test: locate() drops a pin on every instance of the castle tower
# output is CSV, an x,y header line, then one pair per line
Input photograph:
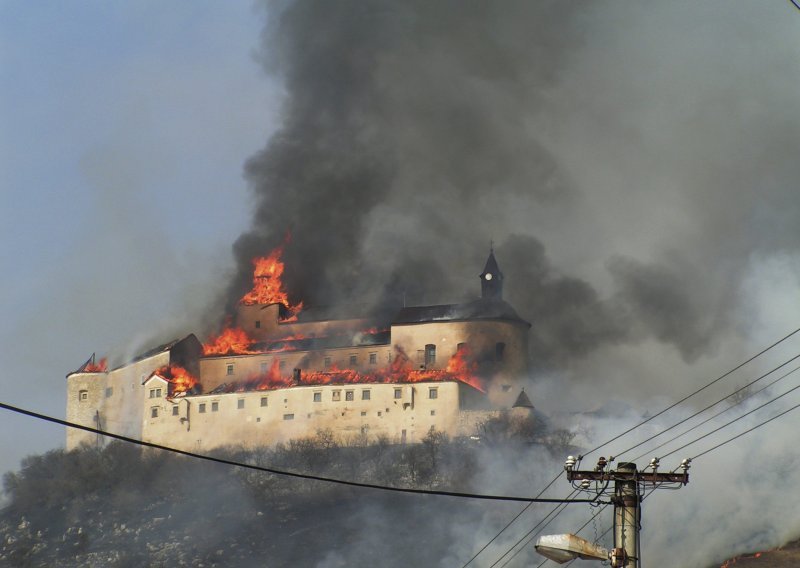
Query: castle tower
x,y
491,279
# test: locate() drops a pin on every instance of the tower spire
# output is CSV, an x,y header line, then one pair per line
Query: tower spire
x,y
491,278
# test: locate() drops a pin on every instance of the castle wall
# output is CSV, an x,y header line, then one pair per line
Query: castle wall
x,y
401,412
114,398
482,337
215,370
263,322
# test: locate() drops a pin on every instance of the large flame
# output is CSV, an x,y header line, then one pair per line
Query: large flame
x,y
231,341
459,368
267,283
179,379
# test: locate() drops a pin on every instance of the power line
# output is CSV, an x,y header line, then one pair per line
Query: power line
x,y
511,522
283,472
796,5
735,420
710,406
710,418
701,389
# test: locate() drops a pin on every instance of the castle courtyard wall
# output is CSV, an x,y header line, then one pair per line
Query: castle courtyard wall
x,y
266,418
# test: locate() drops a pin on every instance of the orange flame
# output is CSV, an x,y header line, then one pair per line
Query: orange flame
x,y
400,371
267,283
100,367
179,379
232,340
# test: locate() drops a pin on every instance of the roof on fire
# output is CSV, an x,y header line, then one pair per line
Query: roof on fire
x,y
485,308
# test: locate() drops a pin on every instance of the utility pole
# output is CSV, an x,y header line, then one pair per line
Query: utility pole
x,y
626,496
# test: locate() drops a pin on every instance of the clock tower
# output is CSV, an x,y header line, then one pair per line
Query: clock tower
x,y
491,279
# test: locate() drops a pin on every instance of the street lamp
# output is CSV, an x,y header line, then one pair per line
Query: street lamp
x,y
562,548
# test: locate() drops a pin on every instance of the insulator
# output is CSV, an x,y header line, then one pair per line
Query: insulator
x,y
685,464
654,463
570,463
586,484
602,462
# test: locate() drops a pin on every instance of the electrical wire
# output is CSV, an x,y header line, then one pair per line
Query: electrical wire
x,y
712,405
795,4
715,430
284,472
511,522
541,524
737,436
687,397
710,418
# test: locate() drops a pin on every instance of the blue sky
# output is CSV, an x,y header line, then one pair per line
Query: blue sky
x,y
123,130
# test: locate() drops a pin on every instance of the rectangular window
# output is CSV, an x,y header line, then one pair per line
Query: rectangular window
x,y
398,393
158,393
229,370
288,416
258,324
349,395
264,367
240,403
433,392
83,395
430,355
433,413
365,395
336,395
264,401
317,397
154,412
327,362
373,358
282,365
380,413
152,393
201,408
363,413
109,392
214,407
175,410
353,360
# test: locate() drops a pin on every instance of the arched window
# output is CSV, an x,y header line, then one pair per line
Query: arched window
x,y
430,355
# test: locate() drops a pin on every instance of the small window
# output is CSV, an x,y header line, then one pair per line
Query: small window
x,y
158,393
430,355
499,350
353,360
175,410
109,392
317,397
154,412
365,395
230,369
282,364
398,393
363,413
264,401
326,362
264,367
460,347
152,393
336,395
214,407
380,413
201,408
349,395
433,392
373,358
83,395
433,413
288,416
240,403
258,324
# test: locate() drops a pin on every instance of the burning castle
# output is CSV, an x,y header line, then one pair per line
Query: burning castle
x,y
280,372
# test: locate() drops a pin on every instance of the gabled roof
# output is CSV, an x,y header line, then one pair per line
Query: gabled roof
x,y
485,308
522,401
